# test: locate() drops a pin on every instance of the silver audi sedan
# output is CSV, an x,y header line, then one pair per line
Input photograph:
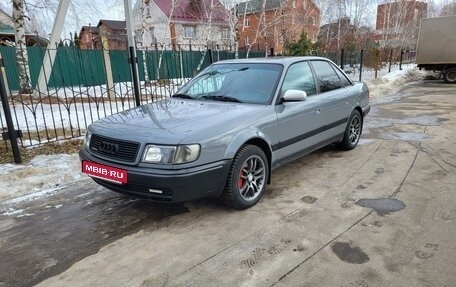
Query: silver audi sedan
x,y
223,133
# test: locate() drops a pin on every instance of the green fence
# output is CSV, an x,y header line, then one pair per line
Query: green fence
x,y
76,67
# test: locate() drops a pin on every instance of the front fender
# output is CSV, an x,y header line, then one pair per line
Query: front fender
x,y
246,135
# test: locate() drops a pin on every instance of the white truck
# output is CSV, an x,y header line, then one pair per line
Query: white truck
x,y
436,47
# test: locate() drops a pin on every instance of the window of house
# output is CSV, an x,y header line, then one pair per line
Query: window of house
x,y
152,34
139,36
246,22
225,33
189,32
247,41
148,11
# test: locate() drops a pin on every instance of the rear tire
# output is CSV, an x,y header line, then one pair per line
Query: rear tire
x,y
247,178
352,131
450,76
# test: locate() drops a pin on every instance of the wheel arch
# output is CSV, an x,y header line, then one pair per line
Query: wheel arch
x,y
261,143
256,139
360,110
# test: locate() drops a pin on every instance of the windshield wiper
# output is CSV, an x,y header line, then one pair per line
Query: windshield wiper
x,y
182,96
221,99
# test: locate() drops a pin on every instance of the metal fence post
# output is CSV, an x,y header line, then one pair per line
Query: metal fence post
x,y
12,134
390,60
211,59
361,64
342,59
400,61
377,55
135,72
132,50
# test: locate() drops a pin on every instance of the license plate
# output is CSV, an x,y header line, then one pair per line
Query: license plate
x,y
105,172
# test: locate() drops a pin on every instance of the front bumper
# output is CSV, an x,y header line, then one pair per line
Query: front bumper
x,y
366,110
167,185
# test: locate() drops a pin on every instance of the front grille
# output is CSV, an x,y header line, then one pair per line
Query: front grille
x,y
114,149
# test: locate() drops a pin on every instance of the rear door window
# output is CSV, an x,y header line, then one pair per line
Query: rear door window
x,y
327,78
343,79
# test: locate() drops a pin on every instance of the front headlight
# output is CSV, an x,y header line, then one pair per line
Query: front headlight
x,y
187,153
87,137
171,154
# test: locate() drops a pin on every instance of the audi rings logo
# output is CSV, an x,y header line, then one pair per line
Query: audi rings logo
x,y
109,148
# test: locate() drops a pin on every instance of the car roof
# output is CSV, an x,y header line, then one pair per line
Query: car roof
x,y
273,60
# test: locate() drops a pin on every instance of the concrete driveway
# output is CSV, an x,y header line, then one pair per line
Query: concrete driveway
x,y
383,214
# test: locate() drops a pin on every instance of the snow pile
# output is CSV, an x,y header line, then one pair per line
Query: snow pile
x,y
43,173
380,87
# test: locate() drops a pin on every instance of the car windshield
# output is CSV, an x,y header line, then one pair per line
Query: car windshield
x,y
240,82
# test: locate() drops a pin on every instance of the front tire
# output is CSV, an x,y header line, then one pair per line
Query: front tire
x,y
247,178
450,76
352,131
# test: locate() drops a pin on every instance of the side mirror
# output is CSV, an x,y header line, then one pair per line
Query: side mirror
x,y
294,96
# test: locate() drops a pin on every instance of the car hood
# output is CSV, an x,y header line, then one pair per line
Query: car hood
x,y
171,120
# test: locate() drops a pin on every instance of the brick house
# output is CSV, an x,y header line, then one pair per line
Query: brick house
x,y
337,35
181,24
112,33
342,34
267,24
398,23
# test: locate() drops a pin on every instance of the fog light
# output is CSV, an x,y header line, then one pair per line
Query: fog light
x,y
155,191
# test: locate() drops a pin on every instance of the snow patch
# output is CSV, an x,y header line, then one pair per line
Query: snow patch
x,y
40,177
381,87
12,211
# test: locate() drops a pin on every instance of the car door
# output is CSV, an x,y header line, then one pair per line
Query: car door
x,y
335,103
298,121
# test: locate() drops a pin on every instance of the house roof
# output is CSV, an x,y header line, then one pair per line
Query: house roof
x,y
6,29
193,10
113,24
90,28
254,6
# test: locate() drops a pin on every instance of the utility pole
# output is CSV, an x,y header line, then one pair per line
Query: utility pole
x,y
49,57
132,50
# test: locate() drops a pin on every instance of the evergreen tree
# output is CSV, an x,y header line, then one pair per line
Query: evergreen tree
x,y
302,47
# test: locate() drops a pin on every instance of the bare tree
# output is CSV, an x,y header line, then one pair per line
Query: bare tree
x,y
272,24
400,22
41,16
21,50
232,16
448,8
345,18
